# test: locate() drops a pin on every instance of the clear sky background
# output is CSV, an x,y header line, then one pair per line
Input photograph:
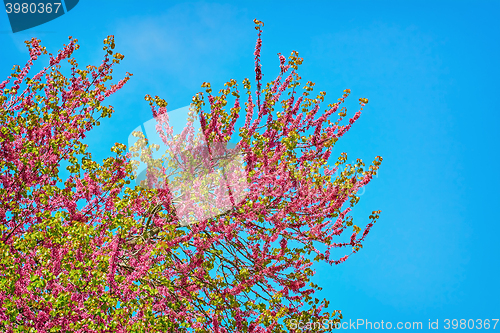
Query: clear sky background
x,y
430,71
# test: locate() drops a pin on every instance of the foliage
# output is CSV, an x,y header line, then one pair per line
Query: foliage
x,y
90,253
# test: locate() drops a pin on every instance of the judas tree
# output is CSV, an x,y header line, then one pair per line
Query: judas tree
x,y
231,252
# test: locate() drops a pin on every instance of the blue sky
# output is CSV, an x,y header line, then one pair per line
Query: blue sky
x,y
430,71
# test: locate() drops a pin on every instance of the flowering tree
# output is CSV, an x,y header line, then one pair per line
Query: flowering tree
x,y
92,254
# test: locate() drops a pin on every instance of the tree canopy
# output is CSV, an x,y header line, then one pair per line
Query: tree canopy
x,y
92,253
